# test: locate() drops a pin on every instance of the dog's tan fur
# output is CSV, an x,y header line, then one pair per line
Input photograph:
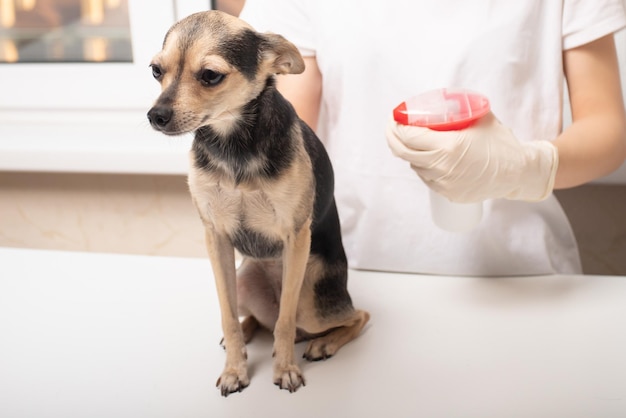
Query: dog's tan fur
x,y
276,293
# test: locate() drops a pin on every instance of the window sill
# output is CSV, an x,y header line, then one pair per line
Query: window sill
x,y
89,142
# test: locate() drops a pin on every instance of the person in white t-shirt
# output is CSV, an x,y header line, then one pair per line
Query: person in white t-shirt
x,y
364,57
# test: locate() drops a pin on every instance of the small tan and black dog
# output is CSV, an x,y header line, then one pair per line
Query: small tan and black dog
x,y
262,184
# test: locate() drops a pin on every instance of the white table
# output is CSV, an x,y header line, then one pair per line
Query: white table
x,y
95,335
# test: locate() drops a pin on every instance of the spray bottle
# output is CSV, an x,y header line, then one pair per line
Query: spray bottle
x,y
446,110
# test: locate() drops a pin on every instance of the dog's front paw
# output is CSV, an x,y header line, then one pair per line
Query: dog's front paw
x,y
232,380
289,378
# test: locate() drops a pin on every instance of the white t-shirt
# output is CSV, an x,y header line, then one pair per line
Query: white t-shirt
x,y
375,54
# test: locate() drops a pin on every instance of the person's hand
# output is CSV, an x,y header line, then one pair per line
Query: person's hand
x,y
484,161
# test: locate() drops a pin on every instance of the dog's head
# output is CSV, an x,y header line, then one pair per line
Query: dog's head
x,y
211,65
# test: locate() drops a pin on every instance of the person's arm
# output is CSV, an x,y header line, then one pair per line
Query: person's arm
x,y
304,91
595,144
486,161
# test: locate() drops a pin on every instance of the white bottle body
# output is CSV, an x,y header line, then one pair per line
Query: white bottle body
x,y
454,217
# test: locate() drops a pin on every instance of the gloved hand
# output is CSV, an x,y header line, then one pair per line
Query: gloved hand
x,y
484,161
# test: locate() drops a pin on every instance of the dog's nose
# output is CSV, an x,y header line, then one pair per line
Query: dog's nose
x,y
160,116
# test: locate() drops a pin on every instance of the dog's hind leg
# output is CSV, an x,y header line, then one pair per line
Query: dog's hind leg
x,y
326,312
249,325
341,333
258,293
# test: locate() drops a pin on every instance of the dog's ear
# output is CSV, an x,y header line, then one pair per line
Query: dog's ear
x,y
282,55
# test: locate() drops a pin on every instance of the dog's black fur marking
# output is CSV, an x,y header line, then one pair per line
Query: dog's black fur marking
x,y
332,297
326,230
242,51
252,244
261,134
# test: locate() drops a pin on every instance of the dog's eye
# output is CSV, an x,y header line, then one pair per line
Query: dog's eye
x,y
156,71
211,78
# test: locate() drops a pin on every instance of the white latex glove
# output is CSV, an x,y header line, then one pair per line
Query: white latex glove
x,y
484,161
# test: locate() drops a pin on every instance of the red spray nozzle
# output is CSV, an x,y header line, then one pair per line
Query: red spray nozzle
x,y
442,109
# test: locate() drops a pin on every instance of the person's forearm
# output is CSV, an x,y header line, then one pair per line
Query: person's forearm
x,y
595,144
589,149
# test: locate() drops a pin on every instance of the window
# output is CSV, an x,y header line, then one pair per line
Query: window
x,y
42,31
75,85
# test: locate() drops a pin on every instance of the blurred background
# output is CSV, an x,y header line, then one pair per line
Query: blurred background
x,y
81,170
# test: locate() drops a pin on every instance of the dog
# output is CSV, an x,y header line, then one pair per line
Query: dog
x,y
262,184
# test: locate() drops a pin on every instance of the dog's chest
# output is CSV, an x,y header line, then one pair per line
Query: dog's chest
x,y
231,208
256,217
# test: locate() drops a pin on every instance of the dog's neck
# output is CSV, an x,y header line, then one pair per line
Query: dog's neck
x,y
258,144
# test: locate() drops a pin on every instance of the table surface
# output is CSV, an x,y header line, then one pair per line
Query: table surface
x,y
100,335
